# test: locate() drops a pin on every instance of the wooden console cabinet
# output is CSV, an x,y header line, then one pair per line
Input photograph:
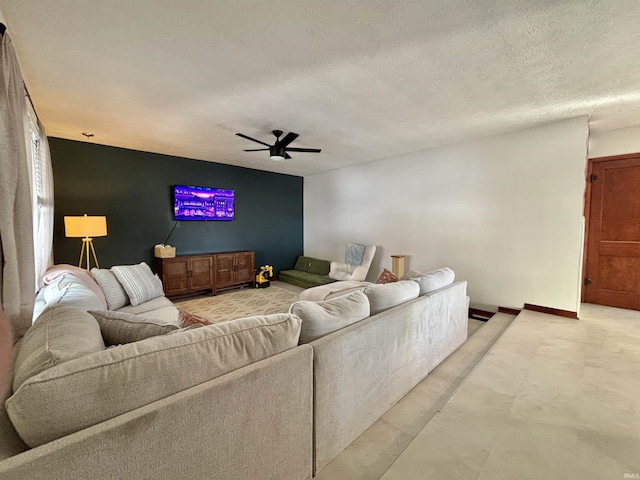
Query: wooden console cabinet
x,y
186,274
234,269
191,274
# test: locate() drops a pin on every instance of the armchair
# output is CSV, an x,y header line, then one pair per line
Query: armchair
x,y
347,271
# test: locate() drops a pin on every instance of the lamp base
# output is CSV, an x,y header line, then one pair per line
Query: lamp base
x,y
87,244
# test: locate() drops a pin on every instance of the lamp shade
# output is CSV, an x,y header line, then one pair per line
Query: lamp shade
x,y
95,226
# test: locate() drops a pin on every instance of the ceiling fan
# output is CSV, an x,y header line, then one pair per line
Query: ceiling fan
x,y
278,151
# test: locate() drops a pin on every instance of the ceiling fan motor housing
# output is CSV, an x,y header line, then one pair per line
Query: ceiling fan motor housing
x,y
276,151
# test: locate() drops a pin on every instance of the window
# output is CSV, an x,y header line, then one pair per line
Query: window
x,y
42,197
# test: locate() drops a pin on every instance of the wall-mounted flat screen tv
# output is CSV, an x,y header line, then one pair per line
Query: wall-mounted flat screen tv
x,y
203,203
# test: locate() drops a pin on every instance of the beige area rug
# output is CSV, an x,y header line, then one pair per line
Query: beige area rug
x,y
241,303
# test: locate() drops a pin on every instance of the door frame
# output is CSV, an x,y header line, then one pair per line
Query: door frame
x,y
587,210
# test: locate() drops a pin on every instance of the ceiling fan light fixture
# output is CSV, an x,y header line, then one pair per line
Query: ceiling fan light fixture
x,y
276,153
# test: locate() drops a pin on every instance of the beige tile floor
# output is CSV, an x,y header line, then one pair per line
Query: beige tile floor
x,y
552,399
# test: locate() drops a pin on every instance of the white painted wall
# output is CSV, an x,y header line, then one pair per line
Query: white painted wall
x,y
614,142
504,212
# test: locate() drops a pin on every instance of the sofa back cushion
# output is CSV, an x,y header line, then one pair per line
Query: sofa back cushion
x,y
113,290
89,390
434,280
322,318
61,333
386,295
313,265
69,290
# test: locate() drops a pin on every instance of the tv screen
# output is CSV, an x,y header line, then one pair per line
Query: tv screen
x,y
202,203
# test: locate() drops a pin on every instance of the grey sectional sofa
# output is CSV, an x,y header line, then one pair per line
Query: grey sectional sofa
x,y
300,386
363,369
224,401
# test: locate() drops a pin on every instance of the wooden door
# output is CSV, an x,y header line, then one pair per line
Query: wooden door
x,y
613,241
201,273
245,270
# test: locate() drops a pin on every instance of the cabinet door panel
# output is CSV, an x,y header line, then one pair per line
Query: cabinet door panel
x,y
201,273
244,267
224,270
174,276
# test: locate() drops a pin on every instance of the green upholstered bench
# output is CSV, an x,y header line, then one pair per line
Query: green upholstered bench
x,y
308,272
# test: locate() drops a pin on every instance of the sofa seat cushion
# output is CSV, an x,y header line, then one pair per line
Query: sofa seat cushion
x,y
312,265
89,390
303,279
434,280
61,333
383,296
160,309
322,318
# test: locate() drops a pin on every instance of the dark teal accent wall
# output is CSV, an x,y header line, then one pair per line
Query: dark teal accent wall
x,y
135,191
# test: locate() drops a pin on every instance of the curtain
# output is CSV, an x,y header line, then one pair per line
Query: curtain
x,y
17,270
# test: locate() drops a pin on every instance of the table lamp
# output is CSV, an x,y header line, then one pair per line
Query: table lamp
x,y
86,228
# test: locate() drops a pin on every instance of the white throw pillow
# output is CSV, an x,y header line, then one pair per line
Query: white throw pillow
x,y
113,291
322,318
139,282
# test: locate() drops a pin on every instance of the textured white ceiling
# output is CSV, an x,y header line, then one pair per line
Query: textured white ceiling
x,y
363,80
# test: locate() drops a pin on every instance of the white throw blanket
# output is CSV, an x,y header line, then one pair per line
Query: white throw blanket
x,y
321,292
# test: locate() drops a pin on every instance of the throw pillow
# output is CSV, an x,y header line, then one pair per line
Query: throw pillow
x,y
139,282
119,327
113,291
387,277
322,318
62,333
187,319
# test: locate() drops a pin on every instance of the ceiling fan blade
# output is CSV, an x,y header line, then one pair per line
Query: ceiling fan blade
x,y
256,149
288,138
253,139
287,156
313,150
